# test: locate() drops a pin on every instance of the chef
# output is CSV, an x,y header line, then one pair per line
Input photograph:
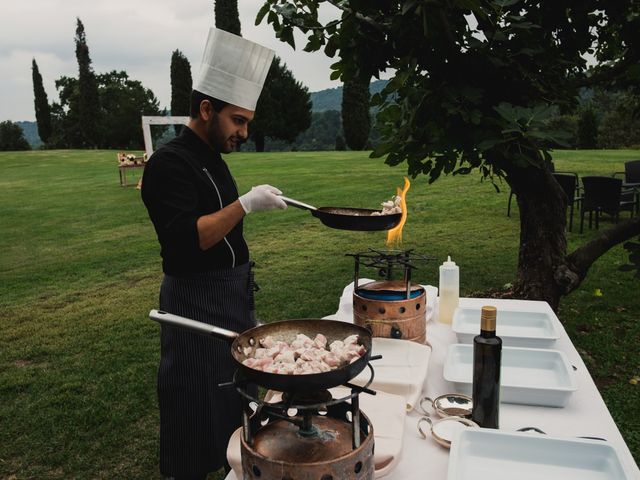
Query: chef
x,y
193,203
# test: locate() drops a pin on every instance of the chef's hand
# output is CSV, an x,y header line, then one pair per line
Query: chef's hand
x,y
262,197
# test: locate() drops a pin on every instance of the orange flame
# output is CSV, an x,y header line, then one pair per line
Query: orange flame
x,y
394,236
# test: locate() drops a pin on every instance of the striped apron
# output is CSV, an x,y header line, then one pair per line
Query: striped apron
x,y
196,416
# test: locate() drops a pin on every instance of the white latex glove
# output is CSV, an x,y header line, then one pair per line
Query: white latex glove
x,y
262,197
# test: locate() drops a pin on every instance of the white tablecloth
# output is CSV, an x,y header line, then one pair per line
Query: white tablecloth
x,y
584,415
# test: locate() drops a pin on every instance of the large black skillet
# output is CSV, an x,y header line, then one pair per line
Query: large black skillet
x,y
285,330
349,218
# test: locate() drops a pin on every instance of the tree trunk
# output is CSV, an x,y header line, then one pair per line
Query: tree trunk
x,y
543,242
545,271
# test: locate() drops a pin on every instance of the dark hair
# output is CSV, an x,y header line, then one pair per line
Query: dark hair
x,y
198,97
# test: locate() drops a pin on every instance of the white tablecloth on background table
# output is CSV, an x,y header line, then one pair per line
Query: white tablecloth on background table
x,y
584,415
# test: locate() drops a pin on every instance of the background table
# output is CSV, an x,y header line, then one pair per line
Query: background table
x,y
584,415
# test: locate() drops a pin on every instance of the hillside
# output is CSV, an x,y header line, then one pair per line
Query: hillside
x,y
30,130
331,98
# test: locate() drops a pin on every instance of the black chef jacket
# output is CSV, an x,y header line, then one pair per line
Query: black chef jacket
x,y
182,181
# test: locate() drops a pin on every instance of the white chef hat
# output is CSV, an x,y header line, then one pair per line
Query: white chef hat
x,y
233,69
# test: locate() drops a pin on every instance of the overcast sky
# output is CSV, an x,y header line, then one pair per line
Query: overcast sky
x,y
137,36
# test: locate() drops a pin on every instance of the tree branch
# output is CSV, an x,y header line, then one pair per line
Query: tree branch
x,y
580,260
381,27
603,74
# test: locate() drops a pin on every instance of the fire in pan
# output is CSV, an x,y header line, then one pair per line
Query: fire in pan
x,y
345,218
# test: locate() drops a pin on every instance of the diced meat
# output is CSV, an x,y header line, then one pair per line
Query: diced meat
x,y
268,342
351,339
285,357
320,341
260,353
303,356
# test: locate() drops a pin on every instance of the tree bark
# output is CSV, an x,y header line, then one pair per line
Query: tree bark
x,y
545,271
543,242
570,275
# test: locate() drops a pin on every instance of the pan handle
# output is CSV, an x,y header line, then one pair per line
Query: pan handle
x,y
297,203
191,325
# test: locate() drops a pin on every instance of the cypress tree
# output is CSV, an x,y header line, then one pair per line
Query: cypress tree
x,y
89,100
587,127
356,121
41,104
181,84
227,16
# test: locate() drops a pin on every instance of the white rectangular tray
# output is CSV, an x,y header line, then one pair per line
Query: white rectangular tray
x,y
496,455
515,328
528,376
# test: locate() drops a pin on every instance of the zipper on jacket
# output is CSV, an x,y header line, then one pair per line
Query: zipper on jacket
x,y
233,254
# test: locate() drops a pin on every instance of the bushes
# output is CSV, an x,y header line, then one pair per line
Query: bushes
x,y
12,137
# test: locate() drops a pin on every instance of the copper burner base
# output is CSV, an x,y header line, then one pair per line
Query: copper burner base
x,y
281,441
403,319
279,452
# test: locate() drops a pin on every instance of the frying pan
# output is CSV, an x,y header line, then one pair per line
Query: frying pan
x,y
285,330
360,219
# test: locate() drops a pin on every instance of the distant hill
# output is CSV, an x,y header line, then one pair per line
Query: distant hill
x,y
331,98
320,137
30,130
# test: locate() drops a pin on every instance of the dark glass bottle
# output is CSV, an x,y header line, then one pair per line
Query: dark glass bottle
x,y
487,353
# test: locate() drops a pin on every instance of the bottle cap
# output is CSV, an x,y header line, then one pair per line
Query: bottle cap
x,y
449,263
488,318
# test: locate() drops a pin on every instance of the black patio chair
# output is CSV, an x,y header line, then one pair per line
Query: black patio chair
x,y
570,185
603,195
631,182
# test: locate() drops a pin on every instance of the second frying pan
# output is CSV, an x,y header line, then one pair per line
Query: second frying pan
x,y
360,219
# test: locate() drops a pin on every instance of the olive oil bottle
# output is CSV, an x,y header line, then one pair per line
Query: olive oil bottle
x,y
487,353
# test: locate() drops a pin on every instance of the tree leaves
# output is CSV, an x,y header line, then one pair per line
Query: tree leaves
x,y
454,95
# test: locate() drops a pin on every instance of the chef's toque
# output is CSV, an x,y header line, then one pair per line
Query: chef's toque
x,y
233,69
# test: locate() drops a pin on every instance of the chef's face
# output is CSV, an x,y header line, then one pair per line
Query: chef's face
x,y
228,128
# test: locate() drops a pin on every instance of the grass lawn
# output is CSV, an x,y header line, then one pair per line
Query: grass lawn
x,y
80,270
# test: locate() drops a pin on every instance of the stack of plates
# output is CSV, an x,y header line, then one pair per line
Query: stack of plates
x,y
515,328
531,374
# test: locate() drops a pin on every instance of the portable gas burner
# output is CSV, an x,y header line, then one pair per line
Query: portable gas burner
x,y
390,308
306,436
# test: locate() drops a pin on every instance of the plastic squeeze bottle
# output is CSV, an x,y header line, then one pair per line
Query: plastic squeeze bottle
x,y
449,290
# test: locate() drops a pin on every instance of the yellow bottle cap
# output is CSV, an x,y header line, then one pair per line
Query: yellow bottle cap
x,y
488,318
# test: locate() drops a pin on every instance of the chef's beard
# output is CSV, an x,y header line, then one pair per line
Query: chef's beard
x,y
218,141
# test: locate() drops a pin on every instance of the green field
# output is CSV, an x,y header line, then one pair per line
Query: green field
x,y
80,270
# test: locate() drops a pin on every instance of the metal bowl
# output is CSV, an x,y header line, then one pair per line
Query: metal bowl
x,y
448,405
443,430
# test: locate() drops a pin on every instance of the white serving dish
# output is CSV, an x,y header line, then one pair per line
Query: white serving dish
x,y
528,376
516,328
496,455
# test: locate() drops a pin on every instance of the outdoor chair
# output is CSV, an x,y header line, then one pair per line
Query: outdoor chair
x,y
569,182
603,195
570,185
631,182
